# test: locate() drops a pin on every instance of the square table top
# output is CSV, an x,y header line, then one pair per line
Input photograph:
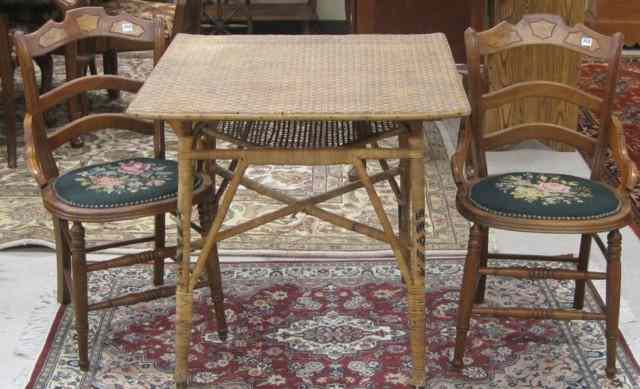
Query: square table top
x,y
304,77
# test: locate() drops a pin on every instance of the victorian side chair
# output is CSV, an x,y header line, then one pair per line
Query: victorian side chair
x,y
120,190
542,203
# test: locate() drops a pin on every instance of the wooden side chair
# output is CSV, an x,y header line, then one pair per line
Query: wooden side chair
x,y
121,190
542,203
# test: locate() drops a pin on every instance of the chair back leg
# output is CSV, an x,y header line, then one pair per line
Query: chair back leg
x,y
206,213
159,242
482,281
583,265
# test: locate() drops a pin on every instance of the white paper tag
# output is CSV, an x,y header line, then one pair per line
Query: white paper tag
x,y
586,41
127,28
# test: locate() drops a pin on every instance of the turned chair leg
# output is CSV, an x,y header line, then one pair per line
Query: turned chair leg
x,y
467,292
614,275
160,241
9,102
206,212
583,265
80,297
63,258
110,65
482,281
45,63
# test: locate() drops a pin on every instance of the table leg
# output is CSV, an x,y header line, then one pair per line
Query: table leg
x,y
417,314
184,297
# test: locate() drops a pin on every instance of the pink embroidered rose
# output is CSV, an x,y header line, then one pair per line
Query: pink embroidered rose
x,y
107,182
134,168
553,187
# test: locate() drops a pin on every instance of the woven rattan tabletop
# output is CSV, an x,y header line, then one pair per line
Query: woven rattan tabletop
x,y
305,77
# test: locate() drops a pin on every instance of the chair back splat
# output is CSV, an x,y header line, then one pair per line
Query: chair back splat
x,y
540,29
79,24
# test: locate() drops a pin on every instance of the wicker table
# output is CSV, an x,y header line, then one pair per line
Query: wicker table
x,y
314,79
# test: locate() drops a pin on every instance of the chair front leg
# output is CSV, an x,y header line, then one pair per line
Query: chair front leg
x,y
614,275
467,292
482,281
63,259
80,294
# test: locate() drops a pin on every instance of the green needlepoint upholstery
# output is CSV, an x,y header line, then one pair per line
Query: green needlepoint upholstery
x,y
544,196
121,183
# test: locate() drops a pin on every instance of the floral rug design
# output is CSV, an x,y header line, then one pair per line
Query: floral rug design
x,y
24,220
335,325
626,107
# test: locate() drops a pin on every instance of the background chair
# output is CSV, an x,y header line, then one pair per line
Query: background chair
x,y
541,203
179,16
8,86
8,91
121,190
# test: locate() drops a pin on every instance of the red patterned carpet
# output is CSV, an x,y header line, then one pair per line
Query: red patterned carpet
x,y
627,108
339,325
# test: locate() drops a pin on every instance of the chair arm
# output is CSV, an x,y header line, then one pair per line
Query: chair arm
x,y
626,166
461,156
32,161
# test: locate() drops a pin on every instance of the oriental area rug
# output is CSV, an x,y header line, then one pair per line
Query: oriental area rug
x,y
627,109
339,325
23,219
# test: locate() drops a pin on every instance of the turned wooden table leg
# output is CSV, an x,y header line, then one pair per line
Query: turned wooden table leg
x,y
184,297
416,288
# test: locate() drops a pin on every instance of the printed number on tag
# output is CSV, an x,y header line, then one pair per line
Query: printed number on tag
x,y
586,41
128,28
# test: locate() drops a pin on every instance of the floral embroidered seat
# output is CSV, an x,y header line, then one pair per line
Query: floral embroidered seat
x,y
544,196
119,184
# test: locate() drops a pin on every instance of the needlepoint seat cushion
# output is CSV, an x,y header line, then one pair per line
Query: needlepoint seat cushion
x,y
544,196
121,183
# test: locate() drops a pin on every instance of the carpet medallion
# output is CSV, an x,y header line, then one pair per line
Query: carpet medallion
x,y
333,325
24,220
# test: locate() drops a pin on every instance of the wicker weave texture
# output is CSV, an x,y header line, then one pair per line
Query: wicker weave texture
x,y
323,77
300,134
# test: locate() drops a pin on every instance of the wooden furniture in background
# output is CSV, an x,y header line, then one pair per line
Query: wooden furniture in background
x,y
8,91
8,86
181,90
534,63
542,203
304,11
451,17
70,202
178,17
611,16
